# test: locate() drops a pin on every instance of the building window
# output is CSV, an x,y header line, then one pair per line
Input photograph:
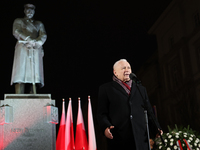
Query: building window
x,y
196,19
175,73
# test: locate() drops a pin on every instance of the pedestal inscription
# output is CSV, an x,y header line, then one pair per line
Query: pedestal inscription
x,y
29,129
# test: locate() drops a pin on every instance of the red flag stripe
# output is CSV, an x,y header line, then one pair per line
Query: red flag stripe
x,y
80,139
60,141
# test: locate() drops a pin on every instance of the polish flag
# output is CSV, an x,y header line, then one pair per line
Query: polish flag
x,y
80,139
60,141
69,129
91,134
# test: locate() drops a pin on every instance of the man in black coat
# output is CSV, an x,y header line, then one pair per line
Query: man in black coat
x,y
121,113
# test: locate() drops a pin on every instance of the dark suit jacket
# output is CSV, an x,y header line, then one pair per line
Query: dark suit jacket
x,y
116,108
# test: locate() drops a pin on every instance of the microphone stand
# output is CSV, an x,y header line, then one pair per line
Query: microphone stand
x,y
147,126
146,117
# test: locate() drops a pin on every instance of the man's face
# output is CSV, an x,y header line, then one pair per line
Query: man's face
x,y
122,71
29,12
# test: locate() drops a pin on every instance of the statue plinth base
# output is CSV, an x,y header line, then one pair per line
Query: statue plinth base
x,y
32,127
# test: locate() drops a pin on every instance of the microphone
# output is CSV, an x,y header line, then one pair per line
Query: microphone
x,y
132,76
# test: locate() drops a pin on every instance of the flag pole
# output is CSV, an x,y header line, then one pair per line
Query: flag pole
x,y
63,109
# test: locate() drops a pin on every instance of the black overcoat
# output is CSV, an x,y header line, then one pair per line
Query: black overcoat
x,y
125,112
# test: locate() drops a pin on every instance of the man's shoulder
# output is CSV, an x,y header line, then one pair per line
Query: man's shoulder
x,y
108,84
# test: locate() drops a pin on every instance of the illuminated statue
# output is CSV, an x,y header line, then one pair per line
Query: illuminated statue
x,y
28,58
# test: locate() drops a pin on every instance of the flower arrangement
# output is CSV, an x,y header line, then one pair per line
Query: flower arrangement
x,y
179,139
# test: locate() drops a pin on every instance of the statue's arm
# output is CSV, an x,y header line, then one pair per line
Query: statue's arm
x,y
17,30
42,35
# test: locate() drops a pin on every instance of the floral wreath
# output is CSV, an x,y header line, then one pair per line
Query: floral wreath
x,y
179,139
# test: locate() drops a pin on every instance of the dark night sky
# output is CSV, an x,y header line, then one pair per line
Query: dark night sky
x,y
85,38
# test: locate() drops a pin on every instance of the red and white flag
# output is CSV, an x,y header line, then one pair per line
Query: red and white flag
x,y
91,133
81,138
60,141
69,129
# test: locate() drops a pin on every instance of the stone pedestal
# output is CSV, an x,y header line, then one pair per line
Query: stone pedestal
x,y
32,126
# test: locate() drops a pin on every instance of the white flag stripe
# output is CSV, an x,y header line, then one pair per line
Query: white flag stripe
x,y
63,112
68,126
80,115
91,133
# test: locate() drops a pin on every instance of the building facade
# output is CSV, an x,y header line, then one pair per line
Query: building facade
x,y
172,74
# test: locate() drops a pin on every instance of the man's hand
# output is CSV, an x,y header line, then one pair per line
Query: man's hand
x,y
107,132
31,41
160,133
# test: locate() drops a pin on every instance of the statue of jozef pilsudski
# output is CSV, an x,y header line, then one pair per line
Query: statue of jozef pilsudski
x,y
28,57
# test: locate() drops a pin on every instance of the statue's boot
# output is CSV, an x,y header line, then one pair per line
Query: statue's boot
x,y
33,89
19,88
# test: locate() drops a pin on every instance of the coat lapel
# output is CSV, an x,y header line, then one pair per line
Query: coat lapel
x,y
120,88
133,90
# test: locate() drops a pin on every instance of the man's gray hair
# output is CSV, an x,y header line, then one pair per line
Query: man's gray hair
x,y
115,64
